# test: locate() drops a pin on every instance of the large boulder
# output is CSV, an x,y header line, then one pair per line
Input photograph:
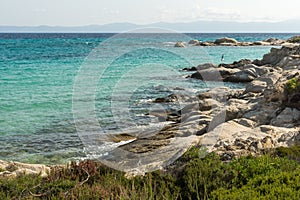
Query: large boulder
x,y
221,132
220,94
262,113
243,76
279,92
274,41
271,40
286,118
194,42
236,64
270,78
213,74
232,138
226,134
236,108
275,56
256,86
179,44
226,40
208,104
290,62
261,70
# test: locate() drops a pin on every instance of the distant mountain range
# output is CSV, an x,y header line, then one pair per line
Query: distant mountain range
x,y
198,26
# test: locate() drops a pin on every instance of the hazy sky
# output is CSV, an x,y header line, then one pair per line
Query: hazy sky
x,y
86,12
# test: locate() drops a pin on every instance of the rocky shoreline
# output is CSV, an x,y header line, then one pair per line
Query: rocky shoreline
x,y
237,122
233,42
231,122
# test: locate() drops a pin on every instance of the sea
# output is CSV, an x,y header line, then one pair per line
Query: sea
x,y
57,89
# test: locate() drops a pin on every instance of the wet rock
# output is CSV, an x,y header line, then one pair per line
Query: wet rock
x,y
170,98
240,71
201,67
121,137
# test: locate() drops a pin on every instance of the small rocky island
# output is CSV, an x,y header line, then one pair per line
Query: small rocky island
x,y
233,42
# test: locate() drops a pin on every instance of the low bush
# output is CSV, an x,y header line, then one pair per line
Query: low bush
x,y
295,39
293,85
275,175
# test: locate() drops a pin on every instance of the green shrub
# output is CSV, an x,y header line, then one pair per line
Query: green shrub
x,y
295,39
203,176
293,85
281,185
275,175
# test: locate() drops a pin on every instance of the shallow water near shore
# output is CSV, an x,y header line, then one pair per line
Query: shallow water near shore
x,y
38,71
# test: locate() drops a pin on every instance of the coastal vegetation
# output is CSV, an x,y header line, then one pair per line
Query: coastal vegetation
x,y
295,39
293,85
273,175
246,161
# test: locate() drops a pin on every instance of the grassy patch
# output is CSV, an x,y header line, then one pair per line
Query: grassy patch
x,y
275,175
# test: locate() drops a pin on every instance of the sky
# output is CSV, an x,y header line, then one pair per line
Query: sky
x,y
87,12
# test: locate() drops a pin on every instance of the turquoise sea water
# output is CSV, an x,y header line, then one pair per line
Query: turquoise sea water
x,y
38,73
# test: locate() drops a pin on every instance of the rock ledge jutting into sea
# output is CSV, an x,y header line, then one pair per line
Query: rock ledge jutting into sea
x,y
236,122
